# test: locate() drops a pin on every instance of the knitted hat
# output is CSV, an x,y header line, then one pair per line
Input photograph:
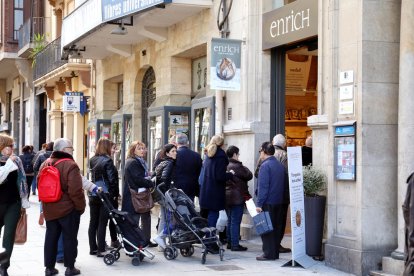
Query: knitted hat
x,y
5,141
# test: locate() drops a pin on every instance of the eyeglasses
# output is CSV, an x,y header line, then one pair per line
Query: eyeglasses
x,y
141,148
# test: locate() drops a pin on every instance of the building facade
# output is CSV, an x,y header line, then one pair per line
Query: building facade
x,y
337,70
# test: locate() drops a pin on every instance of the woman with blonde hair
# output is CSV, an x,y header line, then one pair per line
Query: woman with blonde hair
x,y
13,195
104,175
137,177
213,188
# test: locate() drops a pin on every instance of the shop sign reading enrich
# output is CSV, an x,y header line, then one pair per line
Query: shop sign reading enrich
x,y
292,22
225,64
115,9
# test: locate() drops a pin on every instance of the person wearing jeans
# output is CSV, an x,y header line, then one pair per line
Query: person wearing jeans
x,y
237,191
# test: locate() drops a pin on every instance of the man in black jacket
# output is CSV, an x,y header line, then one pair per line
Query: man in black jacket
x,y
187,167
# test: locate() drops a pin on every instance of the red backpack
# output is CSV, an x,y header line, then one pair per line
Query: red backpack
x,y
48,182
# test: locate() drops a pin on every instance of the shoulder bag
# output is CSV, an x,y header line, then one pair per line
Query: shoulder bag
x,y
21,229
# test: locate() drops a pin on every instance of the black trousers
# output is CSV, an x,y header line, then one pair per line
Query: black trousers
x,y
271,240
143,220
69,226
97,224
283,216
112,228
9,216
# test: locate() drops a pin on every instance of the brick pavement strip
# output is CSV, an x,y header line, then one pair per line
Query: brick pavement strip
x,y
27,259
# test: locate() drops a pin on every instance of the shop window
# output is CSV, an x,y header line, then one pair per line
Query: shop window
x,y
120,95
148,97
18,18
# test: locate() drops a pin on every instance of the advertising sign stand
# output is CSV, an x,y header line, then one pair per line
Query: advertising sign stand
x,y
297,210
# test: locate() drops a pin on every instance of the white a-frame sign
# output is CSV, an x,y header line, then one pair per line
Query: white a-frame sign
x,y
297,210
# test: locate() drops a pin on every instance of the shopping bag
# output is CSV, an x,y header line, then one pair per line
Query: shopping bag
x,y
21,229
222,221
263,223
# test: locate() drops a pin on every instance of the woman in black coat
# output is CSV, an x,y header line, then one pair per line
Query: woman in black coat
x,y
237,191
165,173
136,177
105,175
213,188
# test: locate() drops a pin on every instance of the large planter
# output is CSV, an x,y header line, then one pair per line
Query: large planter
x,y
314,218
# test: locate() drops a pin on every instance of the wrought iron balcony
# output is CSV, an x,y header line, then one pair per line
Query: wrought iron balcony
x,y
27,32
48,59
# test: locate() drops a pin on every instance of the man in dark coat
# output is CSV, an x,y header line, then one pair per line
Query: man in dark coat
x,y
270,189
187,168
63,216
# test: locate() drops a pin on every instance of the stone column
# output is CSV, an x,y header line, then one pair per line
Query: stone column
x,y
78,122
55,124
68,125
405,111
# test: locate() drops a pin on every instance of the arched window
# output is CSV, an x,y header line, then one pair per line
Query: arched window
x,y
148,97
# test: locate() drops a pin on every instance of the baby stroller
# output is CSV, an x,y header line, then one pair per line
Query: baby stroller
x,y
185,227
130,236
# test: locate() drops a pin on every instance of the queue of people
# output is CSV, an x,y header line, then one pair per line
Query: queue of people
x,y
223,186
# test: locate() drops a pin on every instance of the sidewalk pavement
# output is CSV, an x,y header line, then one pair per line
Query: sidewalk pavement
x,y
27,259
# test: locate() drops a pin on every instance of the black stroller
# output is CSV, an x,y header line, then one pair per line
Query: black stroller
x,y
185,227
130,236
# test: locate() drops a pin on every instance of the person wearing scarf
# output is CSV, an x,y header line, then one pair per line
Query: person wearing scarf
x,y
138,178
13,195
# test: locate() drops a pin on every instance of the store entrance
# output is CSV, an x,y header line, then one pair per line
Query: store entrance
x,y
294,90
294,93
301,75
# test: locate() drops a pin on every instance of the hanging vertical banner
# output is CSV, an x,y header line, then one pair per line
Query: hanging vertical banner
x,y
72,101
297,208
225,64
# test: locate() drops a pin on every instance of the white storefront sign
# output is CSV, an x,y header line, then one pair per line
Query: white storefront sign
x,y
72,101
297,208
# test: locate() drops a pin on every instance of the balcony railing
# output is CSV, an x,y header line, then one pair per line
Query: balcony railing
x,y
48,59
27,31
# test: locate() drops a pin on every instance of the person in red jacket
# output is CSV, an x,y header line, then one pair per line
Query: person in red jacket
x,y
63,216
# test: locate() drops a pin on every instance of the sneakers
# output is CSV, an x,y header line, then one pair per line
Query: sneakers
x,y
160,241
72,271
51,271
41,219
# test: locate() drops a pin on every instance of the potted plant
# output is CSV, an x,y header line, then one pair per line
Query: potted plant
x,y
314,182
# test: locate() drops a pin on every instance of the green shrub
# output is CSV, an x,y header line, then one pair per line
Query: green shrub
x,y
314,181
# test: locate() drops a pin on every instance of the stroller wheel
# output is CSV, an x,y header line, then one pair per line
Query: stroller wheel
x,y
136,261
170,253
116,254
221,254
109,259
204,257
187,252
175,252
